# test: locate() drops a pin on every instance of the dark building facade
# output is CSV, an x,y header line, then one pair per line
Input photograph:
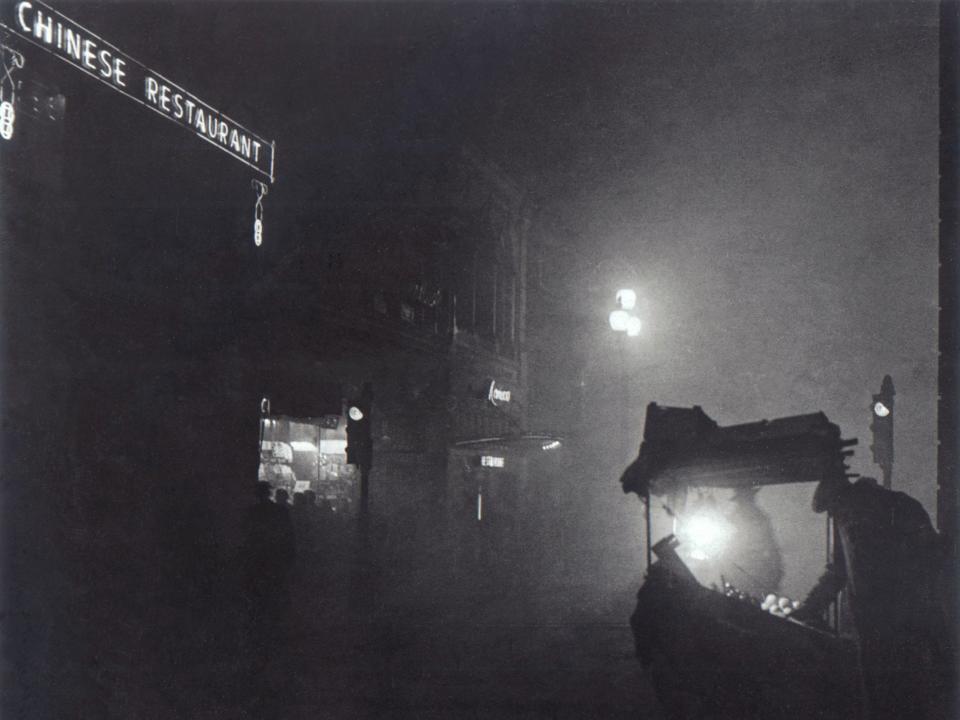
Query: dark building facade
x,y
142,330
422,297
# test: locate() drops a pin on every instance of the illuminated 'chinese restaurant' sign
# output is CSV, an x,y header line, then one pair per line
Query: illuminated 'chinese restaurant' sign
x,y
44,27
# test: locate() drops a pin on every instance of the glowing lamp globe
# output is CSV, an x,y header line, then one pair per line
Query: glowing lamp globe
x,y
626,299
620,320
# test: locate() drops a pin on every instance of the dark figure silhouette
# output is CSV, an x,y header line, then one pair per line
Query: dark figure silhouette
x,y
268,546
300,501
307,522
890,563
268,553
752,558
305,517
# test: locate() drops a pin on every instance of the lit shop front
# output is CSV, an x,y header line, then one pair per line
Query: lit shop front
x,y
298,455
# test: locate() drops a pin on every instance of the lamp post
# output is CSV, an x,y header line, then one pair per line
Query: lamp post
x,y
628,325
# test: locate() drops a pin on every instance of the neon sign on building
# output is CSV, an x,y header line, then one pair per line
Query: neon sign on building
x,y
41,25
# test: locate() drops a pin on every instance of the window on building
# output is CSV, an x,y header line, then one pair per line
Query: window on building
x,y
486,295
300,455
506,309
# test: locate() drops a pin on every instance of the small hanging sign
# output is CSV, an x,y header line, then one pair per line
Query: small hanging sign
x,y
261,190
11,61
7,117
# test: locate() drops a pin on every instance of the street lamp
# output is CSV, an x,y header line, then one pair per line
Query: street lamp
x,y
626,299
621,320
624,321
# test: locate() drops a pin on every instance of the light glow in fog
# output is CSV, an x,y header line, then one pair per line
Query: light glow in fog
x,y
619,320
705,535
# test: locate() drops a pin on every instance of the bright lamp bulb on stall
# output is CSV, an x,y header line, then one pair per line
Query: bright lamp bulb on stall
x,y
626,299
355,413
881,410
706,535
634,326
619,320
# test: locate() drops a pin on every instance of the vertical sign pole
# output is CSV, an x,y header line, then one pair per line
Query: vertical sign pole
x,y
649,548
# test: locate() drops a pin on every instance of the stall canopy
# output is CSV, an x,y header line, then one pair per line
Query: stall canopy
x,y
683,447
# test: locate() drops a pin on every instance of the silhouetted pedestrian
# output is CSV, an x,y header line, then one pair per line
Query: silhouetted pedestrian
x,y
310,546
304,513
268,553
890,566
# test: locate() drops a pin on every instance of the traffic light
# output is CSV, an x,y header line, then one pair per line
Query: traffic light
x,y
359,435
881,425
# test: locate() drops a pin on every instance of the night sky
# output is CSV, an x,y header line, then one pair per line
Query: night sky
x,y
766,172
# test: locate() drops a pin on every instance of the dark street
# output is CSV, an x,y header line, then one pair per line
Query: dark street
x,y
478,360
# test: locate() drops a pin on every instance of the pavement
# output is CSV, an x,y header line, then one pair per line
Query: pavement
x,y
485,667
474,646
483,654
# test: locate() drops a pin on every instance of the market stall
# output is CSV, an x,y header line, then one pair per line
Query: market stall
x,y
716,651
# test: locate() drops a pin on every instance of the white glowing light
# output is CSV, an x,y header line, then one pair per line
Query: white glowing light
x,y
626,299
619,320
634,326
493,461
53,32
333,447
355,413
703,530
552,445
301,446
7,117
705,534
881,410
